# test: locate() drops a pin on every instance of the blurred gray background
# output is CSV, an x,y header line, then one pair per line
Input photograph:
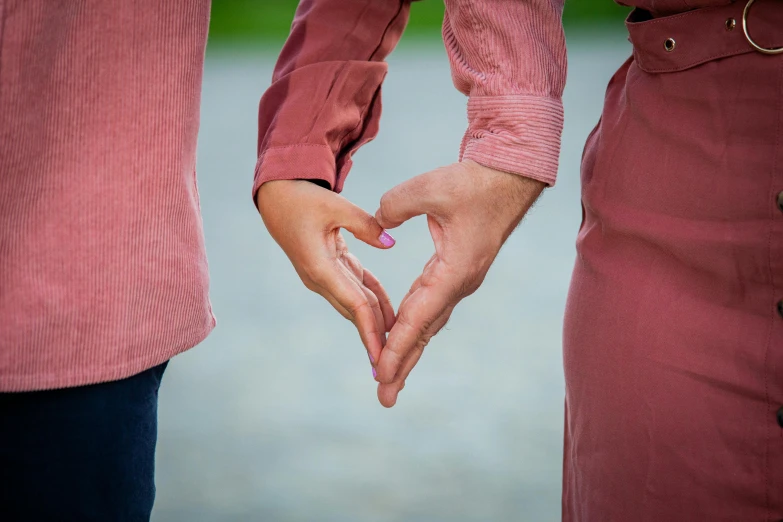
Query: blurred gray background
x,y
274,417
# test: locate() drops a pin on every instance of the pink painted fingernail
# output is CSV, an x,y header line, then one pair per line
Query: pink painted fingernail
x,y
374,373
386,239
370,356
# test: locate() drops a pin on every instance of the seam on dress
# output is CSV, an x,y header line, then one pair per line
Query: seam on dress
x,y
2,37
770,235
694,63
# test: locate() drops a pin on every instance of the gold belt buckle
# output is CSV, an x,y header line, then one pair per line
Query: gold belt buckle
x,y
745,12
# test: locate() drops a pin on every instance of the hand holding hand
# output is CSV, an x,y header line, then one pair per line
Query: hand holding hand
x,y
471,210
305,220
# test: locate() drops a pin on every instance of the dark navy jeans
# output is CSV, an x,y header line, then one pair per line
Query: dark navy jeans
x,y
83,454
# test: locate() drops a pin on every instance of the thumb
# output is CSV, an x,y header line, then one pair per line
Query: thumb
x,y
362,225
405,201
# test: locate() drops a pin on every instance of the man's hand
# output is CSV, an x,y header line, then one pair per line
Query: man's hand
x,y
471,210
305,220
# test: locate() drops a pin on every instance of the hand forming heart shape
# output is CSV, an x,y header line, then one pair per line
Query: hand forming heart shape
x,y
471,210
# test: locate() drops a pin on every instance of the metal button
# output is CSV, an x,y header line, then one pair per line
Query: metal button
x,y
669,45
780,307
731,23
780,201
780,417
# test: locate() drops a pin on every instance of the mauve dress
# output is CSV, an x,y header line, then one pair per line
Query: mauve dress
x,y
673,340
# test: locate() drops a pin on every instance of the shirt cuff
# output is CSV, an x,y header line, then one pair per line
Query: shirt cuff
x,y
310,161
519,134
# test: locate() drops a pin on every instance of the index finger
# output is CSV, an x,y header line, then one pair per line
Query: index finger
x,y
338,287
415,320
387,393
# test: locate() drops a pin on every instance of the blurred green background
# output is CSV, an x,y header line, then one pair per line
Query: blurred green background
x,y
248,20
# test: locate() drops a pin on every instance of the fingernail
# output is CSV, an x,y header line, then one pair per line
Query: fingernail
x,y
370,356
386,239
374,373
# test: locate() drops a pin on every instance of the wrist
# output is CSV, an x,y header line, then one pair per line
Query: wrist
x,y
518,190
506,196
271,191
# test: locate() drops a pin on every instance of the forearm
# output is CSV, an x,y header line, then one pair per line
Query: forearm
x,y
509,57
324,101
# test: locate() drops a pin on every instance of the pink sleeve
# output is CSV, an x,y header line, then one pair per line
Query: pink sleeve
x,y
324,101
509,56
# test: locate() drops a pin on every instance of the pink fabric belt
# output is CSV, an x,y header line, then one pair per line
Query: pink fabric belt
x,y
679,42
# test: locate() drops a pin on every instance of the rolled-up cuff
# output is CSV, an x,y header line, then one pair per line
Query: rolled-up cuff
x,y
519,134
299,161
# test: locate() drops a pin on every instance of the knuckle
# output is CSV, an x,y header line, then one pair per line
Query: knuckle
x,y
372,300
307,272
356,306
309,284
314,273
423,343
467,287
395,355
469,282
367,221
419,330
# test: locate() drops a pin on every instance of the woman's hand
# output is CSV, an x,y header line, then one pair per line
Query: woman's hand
x,y
305,220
